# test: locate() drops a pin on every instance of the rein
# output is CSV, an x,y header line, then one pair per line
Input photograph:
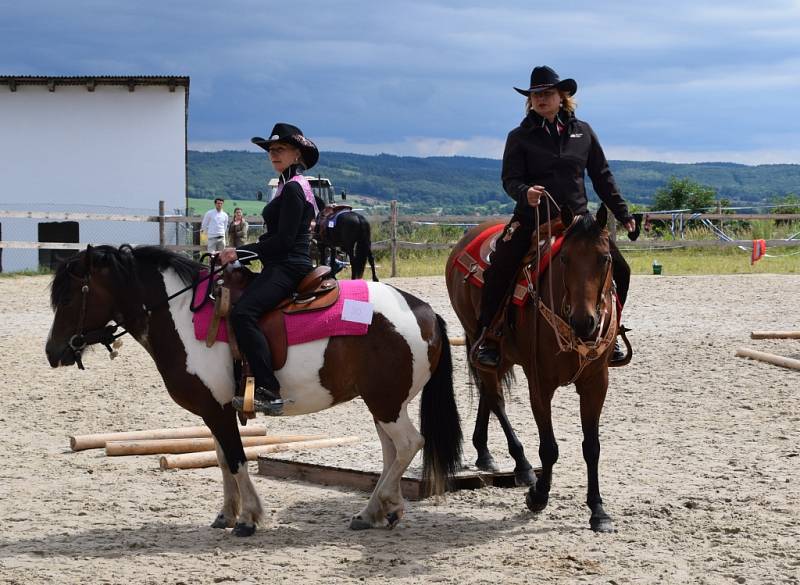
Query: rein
x,y
587,351
107,335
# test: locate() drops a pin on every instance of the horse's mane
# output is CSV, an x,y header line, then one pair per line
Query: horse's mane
x,y
123,264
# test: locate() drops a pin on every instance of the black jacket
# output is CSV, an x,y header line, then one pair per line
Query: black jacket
x,y
287,219
533,157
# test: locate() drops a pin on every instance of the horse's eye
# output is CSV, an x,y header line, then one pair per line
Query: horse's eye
x,y
605,259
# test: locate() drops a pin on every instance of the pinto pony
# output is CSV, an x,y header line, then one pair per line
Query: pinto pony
x,y
148,291
560,336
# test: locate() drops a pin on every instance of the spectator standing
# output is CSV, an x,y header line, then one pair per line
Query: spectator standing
x,y
237,229
215,225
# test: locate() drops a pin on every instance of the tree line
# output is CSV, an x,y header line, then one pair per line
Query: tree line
x,y
464,185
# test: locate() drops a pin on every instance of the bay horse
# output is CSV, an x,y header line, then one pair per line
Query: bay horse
x,y
148,291
555,343
349,232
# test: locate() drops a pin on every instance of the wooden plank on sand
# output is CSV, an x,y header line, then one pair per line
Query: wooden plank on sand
x,y
209,458
99,440
411,486
770,358
775,335
165,446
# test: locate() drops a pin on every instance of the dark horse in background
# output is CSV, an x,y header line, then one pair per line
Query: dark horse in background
x,y
567,338
406,351
339,227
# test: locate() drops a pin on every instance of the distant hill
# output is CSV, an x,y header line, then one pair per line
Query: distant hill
x,y
456,185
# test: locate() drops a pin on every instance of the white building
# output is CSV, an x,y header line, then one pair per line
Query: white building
x,y
104,144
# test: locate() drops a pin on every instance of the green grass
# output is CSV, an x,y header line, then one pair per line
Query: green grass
x,y
728,260
249,207
40,271
673,262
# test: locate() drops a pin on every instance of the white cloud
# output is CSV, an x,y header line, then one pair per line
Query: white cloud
x,y
747,157
478,146
482,147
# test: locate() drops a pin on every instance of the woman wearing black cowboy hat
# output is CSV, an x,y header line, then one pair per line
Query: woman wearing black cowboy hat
x,y
284,253
551,151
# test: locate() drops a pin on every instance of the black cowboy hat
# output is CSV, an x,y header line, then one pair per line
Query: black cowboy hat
x,y
543,77
289,134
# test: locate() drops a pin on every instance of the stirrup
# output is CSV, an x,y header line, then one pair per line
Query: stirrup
x,y
485,354
264,400
616,361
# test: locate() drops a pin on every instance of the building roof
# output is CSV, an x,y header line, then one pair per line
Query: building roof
x,y
92,81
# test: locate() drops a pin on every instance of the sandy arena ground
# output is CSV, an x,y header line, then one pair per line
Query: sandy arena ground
x,y
700,467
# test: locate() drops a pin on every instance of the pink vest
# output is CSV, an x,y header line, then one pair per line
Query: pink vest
x,y
309,194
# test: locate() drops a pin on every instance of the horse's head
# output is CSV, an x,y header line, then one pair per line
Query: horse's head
x,y
586,258
85,296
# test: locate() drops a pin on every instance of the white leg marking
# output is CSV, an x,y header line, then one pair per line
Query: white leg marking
x,y
230,489
252,512
213,365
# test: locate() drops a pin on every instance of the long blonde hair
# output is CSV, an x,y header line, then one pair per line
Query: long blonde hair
x,y
568,103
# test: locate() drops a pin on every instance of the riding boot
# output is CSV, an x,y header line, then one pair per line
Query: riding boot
x,y
264,400
618,354
486,355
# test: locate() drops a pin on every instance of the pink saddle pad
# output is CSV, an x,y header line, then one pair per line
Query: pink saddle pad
x,y
302,327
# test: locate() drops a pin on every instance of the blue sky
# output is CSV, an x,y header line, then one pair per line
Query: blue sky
x,y
677,81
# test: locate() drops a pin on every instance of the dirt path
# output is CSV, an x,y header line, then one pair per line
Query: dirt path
x,y
699,467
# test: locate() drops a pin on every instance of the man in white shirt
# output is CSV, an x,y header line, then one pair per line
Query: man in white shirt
x,y
215,225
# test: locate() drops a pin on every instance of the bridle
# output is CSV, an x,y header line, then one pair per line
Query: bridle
x,y
587,351
82,339
107,335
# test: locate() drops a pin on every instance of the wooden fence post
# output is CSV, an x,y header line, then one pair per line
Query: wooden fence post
x,y
393,236
162,225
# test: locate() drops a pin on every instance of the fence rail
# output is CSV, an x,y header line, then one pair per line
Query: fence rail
x,y
393,243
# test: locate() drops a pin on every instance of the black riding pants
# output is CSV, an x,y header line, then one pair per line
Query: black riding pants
x,y
275,283
513,243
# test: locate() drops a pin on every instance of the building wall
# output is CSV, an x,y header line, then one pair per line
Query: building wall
x,y
104,151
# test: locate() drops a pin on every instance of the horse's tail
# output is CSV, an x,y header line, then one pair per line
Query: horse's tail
x,y
440,422
362,247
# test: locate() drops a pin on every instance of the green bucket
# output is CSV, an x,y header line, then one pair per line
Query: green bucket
x,y
656,267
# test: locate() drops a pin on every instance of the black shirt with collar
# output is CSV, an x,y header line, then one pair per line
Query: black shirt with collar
x,y
287,219
534,156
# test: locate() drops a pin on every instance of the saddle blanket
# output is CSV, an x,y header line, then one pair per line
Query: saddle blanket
x,y
311,325
331,221
471,262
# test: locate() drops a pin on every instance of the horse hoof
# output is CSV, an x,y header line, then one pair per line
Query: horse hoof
x,y
487,464
358,523
601,523
242,529
221,522
535,501
392,518
524,477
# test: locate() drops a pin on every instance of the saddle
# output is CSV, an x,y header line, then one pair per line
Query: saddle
x,y
316,291
476,257
327,219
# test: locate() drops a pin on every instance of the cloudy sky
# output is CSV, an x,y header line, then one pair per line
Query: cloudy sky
x,y
677,80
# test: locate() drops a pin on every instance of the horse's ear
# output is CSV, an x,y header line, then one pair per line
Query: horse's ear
x,y
566,216
602,216
87,259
